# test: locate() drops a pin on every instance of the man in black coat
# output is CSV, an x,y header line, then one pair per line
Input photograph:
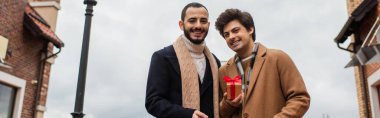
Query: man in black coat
x,y
164,93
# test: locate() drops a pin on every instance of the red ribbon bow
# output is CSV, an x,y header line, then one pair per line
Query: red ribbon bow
x,y
232,82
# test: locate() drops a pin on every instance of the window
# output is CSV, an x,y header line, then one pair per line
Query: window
x,y
7,100
374,93
12,91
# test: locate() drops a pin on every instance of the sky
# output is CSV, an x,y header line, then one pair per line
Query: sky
x,y
125,33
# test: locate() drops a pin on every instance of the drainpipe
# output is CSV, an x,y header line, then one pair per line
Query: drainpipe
x,y
365,90
45,51
362,76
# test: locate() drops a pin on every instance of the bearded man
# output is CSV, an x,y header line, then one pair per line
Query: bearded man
x,y
183,77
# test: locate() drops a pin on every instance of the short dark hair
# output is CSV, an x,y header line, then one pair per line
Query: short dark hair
x,y
193,4
231,14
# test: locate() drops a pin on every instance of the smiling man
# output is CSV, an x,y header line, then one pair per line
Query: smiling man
x,y
272,86
183,77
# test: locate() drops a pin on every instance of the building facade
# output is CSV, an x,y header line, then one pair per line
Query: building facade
x,y
28,47
363,28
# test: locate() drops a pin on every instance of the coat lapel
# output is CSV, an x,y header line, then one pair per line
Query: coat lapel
x,y
260,59
231,68
172,57
174,63
206,85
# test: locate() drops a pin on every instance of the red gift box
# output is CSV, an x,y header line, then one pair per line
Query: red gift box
x,y
233,86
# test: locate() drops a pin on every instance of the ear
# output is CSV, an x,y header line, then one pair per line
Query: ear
x,y
180,23
251,30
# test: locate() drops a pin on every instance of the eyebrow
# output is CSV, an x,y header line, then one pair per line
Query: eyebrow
x,y
197,17
232,29
225,33
236,28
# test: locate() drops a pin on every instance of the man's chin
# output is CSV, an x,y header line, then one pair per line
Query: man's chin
x,y
197,41
198,37
235,49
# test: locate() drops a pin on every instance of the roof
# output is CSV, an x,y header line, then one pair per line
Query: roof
x,y
355,19
35,23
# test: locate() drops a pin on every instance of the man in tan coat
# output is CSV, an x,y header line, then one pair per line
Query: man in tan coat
x,y
272,87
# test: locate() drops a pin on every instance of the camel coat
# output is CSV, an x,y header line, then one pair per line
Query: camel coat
x,y
276,88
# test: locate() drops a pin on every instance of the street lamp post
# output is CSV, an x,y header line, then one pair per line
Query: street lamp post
x,y
79,99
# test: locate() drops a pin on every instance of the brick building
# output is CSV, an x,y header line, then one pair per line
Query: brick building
x,y
28,47
363,26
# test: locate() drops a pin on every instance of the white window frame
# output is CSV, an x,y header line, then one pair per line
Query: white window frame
x,y
19,84
373,84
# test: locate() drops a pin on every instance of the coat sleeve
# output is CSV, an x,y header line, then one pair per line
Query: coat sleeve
x,y
226,110
157,92
293,88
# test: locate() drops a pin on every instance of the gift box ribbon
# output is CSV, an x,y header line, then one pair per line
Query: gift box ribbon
x,y
232,82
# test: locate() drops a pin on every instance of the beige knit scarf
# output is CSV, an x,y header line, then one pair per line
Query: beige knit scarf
x,y
189,77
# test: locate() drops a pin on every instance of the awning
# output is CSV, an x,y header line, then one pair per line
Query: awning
x,y
35,23
365,55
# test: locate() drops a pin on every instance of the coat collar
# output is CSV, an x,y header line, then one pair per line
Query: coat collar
x,y
172,58
261,53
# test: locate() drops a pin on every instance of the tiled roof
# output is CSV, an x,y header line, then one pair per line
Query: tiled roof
x,y
35,23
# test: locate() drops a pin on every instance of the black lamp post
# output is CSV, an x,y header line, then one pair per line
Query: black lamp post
x,y
79,99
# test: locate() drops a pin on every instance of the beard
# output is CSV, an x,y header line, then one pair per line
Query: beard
x,y
187,35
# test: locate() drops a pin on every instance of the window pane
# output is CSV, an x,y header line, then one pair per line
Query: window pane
x,y
7,96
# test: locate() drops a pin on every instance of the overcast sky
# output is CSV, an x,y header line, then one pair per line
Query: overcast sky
x,y
125,33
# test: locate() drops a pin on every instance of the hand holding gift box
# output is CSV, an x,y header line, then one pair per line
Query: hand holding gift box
x,y
233,86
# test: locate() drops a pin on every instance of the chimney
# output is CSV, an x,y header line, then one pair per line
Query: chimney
x,y
48,9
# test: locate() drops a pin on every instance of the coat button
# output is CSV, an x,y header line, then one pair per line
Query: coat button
x,y
245,115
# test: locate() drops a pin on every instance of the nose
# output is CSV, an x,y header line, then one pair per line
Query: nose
x,y
198,24
231,37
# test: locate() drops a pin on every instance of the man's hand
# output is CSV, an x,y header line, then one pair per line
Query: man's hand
x,y
198,114
235,102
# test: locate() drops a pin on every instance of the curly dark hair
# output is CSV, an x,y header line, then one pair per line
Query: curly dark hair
x,y
231,14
